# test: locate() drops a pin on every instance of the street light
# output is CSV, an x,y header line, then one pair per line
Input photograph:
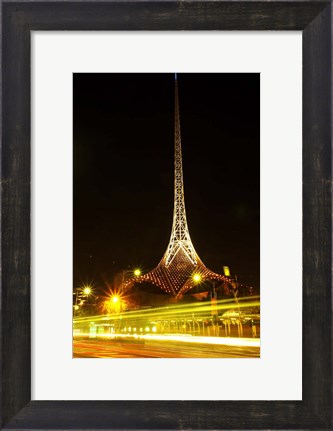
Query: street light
x,y
128,274
137,272
196,278
113,303
83,295
87,290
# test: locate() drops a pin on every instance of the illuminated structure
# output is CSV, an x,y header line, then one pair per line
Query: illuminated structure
x,y
180,268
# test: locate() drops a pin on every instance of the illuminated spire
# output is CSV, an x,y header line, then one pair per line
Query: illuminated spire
x,y
180,237
180,268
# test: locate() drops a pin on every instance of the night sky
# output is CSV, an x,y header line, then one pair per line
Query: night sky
x,y
123,171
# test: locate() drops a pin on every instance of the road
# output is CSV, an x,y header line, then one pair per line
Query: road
x,y
131,348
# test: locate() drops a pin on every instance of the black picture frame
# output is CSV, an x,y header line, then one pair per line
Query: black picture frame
x,y
314,19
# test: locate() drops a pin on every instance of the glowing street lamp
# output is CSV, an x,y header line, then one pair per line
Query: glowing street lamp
x,y
83,295
196,278
87,290
137,272
129,273
115,299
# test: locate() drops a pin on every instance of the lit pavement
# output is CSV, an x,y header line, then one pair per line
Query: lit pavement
x,y
132,348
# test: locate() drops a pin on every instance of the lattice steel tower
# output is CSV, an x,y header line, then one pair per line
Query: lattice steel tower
x,y
180,268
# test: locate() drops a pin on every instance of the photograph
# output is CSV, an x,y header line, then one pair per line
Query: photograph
x,y
166,215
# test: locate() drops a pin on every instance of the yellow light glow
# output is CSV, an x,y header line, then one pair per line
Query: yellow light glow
x,y
87,290
76,307
137,272
196,278
173,311
232,341
115,299
226,271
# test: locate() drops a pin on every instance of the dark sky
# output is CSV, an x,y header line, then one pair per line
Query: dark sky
x,y
123,171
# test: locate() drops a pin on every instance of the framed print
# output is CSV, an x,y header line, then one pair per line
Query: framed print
x,y
52,80
311,408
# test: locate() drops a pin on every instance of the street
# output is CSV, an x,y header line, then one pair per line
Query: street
x,y
136,348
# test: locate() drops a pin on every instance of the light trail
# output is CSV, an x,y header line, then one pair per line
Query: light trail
x,y
226,341
177,311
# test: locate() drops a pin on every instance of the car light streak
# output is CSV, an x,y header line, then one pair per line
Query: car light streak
x,y
227,341
177,311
